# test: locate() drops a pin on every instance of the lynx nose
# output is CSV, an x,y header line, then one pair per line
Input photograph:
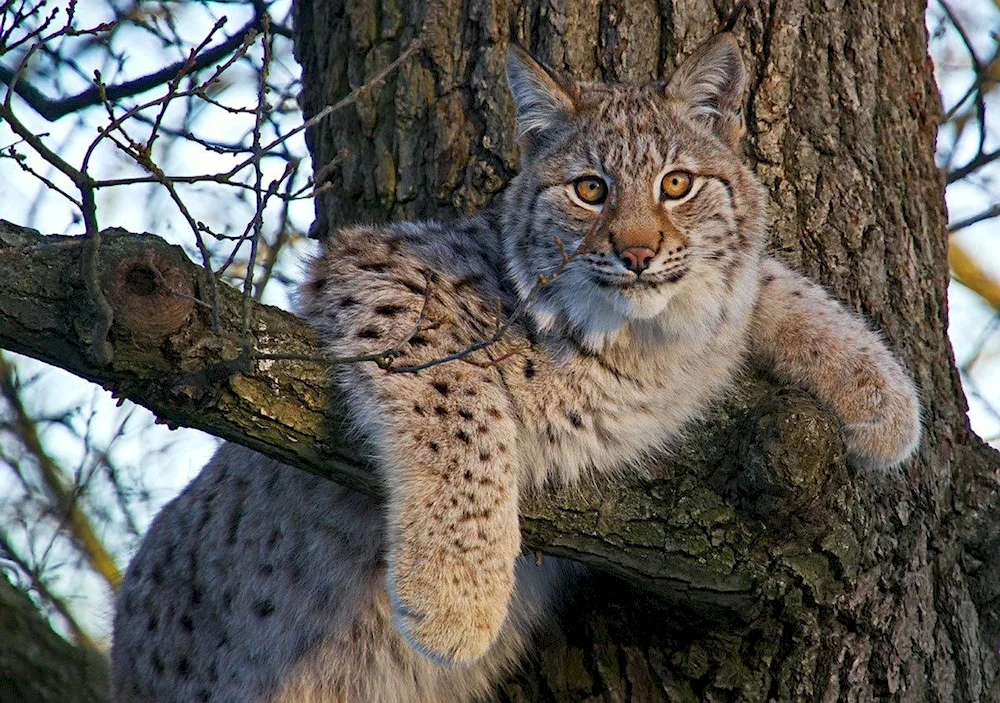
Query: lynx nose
x,y
637,259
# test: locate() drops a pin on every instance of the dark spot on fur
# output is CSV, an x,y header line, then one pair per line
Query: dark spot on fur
x,y
227,598
441,387
529,369
484,455
464,436
676,276
348,302
418,340
494,413
471,392
153,623
183,667
266,569
767,279
418,409
575,419
417,288
375,266
796,294
264,608
317,285
157,664
187,624
272,482
440,411
369,333
389,310
467,475
468,282
204,695
465,414
394,243
272,540
435,447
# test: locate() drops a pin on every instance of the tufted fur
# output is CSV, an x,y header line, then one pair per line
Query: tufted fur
x,y
263,583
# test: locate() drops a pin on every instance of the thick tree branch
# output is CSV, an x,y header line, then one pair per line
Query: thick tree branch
x,y
675,535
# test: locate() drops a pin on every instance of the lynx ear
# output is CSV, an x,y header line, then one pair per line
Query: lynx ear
x,y
710,85
544,106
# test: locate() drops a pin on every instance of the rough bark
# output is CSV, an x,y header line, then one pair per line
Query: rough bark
x,y
874,596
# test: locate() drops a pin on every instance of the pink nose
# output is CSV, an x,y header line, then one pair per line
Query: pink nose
x,y
637,258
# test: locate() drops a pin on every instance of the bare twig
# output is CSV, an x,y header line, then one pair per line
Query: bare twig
x,y
39,585
987,214
69,511
54,109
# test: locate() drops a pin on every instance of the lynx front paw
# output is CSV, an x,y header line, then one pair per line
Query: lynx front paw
x,y
892,435
451,618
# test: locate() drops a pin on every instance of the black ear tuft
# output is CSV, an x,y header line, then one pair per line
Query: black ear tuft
x,y
544,106
710,85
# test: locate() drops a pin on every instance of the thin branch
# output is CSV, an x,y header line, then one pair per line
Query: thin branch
x,y
64,502
54,109
261,200
38,585
987,214
974,165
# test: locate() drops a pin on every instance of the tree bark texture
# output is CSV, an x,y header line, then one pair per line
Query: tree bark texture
x,y
883,590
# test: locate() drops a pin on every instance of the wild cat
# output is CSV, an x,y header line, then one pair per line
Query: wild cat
x,y
627,259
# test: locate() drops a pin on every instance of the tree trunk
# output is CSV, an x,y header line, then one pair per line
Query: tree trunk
x,y
880,590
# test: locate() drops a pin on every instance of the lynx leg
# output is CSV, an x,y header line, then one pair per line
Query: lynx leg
x,y
812,340
444,437
453,524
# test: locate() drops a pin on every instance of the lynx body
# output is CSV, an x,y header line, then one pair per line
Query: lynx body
x,y
629,251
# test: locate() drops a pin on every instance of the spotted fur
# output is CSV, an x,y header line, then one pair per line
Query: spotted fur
x,y
263,583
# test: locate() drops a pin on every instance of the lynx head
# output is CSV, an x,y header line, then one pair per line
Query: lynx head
x,y
642,187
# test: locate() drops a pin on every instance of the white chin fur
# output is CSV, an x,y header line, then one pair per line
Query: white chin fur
x,y
599,314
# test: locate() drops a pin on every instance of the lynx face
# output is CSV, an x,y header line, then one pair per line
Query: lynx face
x,y
638,185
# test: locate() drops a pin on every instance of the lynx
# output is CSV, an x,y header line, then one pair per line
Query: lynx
x,y
627,259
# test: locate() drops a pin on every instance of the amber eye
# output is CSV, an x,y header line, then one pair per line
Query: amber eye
x,y
676,184
591,189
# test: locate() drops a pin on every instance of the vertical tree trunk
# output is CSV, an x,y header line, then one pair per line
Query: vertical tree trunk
x,y
875,600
